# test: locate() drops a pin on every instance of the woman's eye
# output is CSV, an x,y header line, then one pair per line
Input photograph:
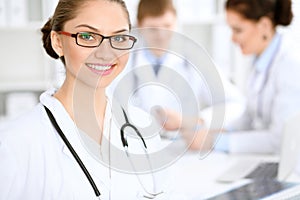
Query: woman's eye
x,y
237,30
119,38
86,36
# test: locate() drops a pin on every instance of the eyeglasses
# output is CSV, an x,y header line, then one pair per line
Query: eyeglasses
x,y
91,40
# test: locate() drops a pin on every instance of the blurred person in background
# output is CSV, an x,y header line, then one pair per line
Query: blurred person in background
x,y
273,87
164,83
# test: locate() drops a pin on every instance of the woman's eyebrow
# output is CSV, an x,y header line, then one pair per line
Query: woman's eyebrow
x,y
87,26
95,29
120,31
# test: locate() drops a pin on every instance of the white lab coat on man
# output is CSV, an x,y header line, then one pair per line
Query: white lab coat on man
x,y
178,85
36,164
273,97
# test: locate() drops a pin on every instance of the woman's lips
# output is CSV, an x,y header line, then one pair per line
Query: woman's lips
x,y
100,69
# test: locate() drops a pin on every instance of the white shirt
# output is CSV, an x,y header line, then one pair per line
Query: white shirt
x,y
36,164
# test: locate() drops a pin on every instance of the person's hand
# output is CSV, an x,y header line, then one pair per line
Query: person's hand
x,y
169,119
198,139
202,139
172,120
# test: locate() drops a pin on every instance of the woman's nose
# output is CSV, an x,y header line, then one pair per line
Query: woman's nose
x,y
104,49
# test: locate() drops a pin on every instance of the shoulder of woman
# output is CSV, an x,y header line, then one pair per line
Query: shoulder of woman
x,y
289,47
23,128
287,69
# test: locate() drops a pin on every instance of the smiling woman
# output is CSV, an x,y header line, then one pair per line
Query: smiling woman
x,y
46,154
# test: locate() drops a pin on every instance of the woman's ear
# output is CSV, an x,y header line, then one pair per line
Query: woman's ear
x,y
266,27
266,23
56,43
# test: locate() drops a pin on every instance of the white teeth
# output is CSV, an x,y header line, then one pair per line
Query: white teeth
x,y
98,67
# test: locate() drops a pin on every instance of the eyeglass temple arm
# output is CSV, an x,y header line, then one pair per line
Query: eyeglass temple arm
x,y
67,34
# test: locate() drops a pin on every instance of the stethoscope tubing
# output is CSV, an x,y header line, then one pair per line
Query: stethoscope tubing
x,y
266,79
73,152
125,145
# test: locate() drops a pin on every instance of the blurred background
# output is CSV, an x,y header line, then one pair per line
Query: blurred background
x,y
26,71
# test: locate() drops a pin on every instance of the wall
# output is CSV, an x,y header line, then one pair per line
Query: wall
x,y
25,70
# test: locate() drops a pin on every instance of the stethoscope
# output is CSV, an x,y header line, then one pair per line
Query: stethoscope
x,y
148,195
259,106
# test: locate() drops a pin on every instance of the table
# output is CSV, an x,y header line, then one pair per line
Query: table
x,y
196,177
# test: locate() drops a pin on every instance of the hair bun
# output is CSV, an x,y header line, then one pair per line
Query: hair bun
x,y
283,12
46,31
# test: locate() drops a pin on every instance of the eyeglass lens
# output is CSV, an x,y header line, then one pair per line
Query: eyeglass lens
x,y
87,39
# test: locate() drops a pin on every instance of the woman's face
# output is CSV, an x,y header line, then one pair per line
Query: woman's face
x,y
246,34
95,67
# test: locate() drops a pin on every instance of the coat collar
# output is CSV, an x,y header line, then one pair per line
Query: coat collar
x,y
71,132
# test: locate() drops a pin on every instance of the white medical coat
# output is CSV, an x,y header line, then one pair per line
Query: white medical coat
x,y
36,164
177,86
278,101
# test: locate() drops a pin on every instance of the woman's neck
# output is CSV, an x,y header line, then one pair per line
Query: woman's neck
x,y
85,105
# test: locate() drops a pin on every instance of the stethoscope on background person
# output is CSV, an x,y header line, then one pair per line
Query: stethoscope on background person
x,y
127,124
259,91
